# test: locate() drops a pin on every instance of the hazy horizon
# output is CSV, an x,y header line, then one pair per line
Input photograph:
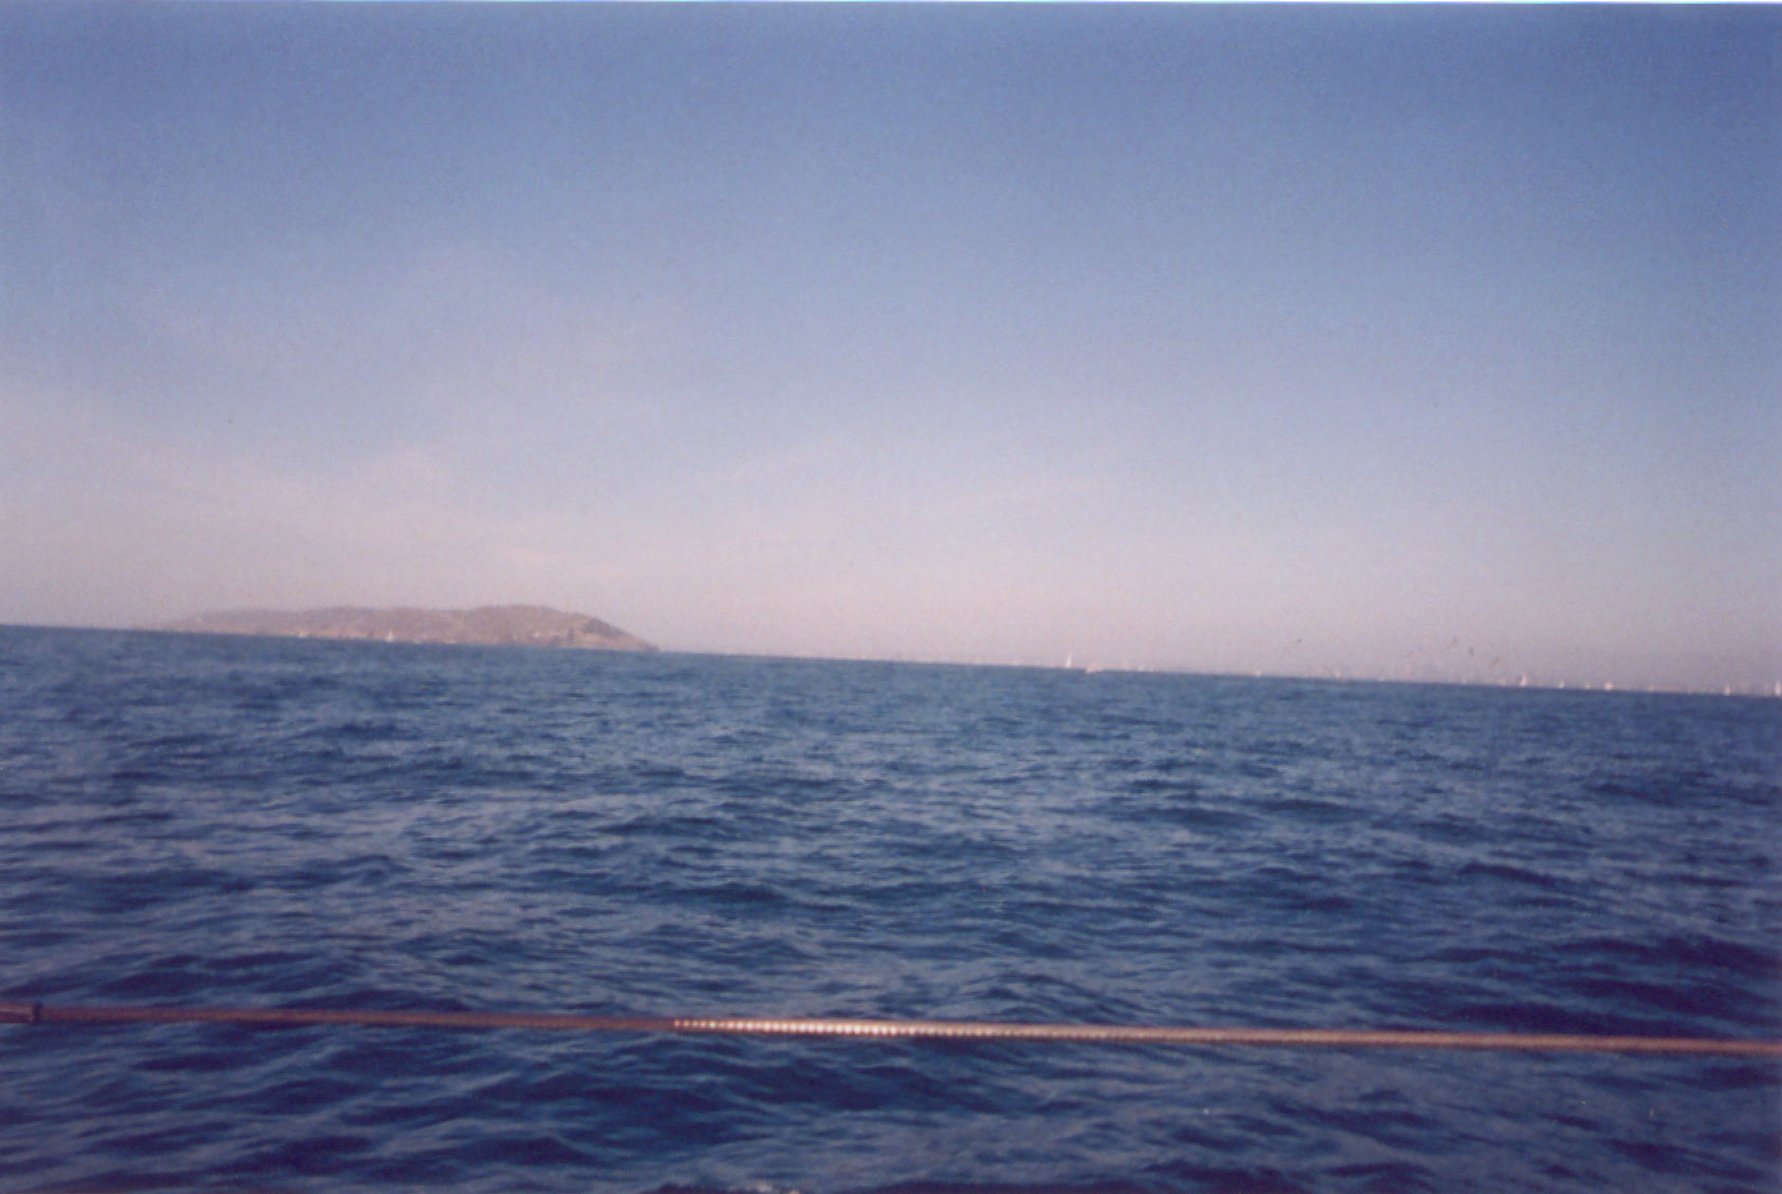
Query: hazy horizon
x,y
1454,666
1409,342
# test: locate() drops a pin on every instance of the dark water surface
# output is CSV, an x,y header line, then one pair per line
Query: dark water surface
x,y
195,821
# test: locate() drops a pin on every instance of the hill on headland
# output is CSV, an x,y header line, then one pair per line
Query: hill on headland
x,y
525,625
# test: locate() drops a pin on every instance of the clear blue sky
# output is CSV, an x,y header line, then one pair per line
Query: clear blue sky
x,y
1399,340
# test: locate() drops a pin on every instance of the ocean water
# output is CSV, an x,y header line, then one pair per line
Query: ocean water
x,y
217,821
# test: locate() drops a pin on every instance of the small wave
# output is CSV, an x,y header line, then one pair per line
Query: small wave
x,y
1514,874
732,894
1674,953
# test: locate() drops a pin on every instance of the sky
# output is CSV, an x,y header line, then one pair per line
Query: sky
x,y
1405,341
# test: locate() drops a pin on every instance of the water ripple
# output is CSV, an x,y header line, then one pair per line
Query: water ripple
x,y
208,821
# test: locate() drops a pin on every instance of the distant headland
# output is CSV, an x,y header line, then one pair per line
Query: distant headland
x,y
511,625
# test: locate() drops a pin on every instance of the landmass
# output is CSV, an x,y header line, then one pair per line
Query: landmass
x,y
522,625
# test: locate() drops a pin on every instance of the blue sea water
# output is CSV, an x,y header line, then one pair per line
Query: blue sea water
x,y
221,821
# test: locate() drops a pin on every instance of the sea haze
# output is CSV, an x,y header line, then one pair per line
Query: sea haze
x,y
231,821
